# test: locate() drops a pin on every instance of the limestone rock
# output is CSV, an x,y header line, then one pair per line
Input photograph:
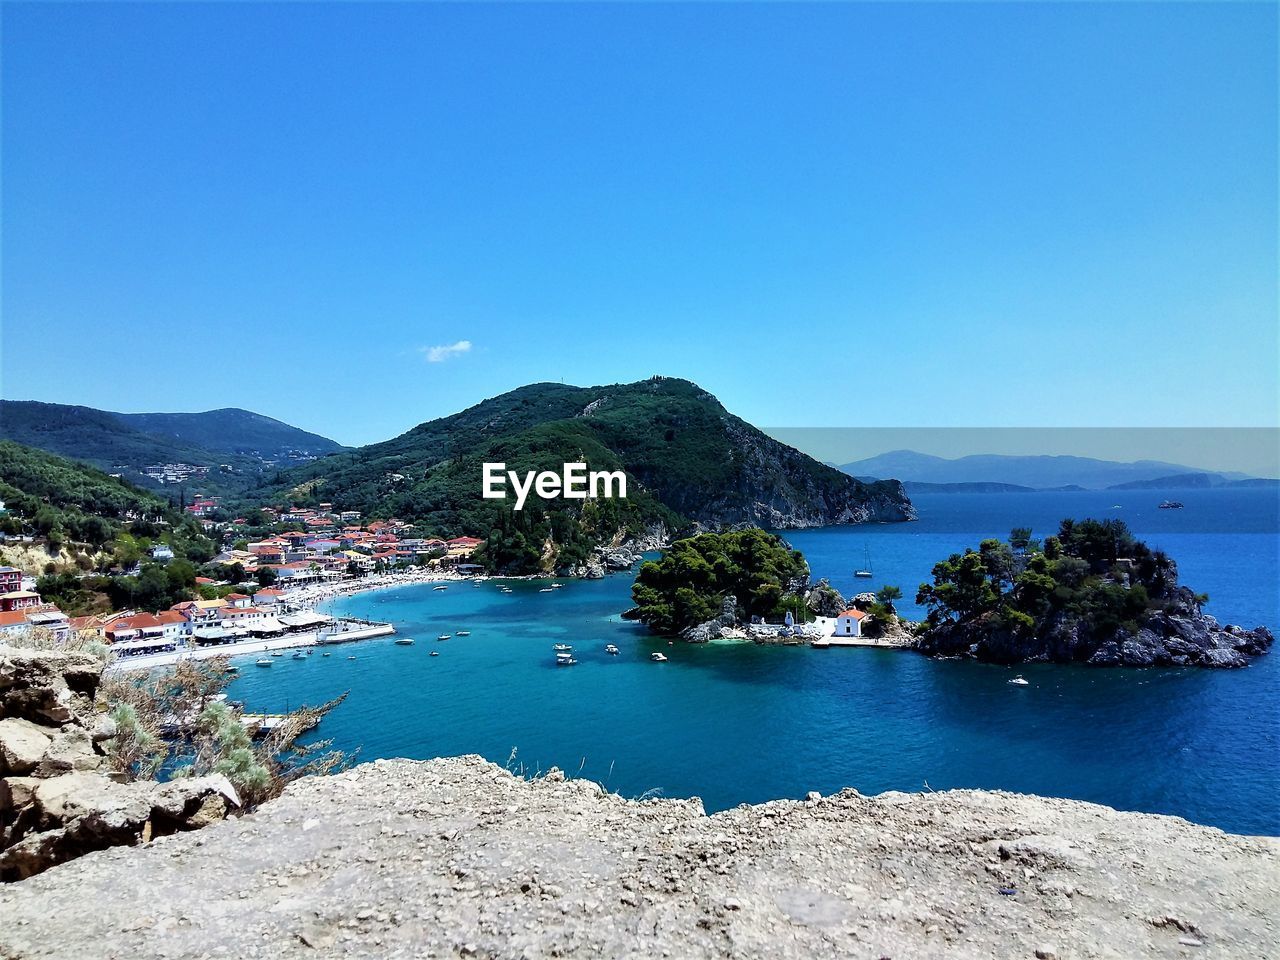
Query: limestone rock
x,y
22,744
457,857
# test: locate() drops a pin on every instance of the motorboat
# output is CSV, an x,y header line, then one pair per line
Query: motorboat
x,y
440,586
262,663
565,660
1171,505
299,656
324,654
462,633
658,657
612,650
277,653
545,590
561,647
435,653
444,636
556,586
404,641
352,657
1020,680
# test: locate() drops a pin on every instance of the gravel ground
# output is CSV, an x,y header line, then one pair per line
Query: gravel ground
x,y
456,857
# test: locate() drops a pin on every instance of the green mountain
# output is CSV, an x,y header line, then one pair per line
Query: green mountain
x,y
45,494
688,461
232,447
232,430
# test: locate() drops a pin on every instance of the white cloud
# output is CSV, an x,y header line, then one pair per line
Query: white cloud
x,y
443,353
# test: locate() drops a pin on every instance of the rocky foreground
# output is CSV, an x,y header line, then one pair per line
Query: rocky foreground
x,y
457,857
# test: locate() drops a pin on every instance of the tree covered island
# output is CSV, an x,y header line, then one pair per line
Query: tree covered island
x,y
1093,593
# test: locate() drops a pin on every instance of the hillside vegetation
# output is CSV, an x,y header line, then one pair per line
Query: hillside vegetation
x,y
61,499
232,444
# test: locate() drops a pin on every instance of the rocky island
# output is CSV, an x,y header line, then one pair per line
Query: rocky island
x,y
1092,593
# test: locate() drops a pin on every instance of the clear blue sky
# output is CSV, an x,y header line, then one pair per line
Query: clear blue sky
x,y
1014,214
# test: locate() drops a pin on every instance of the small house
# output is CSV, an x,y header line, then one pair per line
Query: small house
x,y
849,623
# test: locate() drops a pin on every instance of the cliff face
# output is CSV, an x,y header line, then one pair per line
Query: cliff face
x,y
459,858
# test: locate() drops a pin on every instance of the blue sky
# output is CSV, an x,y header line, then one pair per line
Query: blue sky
x,y
828,215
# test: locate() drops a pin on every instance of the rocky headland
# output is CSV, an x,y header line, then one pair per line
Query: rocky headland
x,y
459,858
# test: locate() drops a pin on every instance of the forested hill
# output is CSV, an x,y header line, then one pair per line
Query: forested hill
x,y
48,495
688,454
232,430
234,446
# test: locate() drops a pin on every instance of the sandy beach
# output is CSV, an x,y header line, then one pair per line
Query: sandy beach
x,y
313,594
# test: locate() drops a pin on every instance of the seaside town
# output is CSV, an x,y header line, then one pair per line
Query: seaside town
x,y
268,602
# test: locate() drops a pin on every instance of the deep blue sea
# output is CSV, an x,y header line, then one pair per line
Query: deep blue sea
x,y
739,723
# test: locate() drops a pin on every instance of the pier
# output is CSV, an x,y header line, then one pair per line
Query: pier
x,y
823,642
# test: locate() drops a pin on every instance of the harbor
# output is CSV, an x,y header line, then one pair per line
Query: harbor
x,y
343,630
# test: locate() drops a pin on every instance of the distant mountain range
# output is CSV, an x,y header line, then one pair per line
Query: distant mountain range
x,y
1012,474
234,446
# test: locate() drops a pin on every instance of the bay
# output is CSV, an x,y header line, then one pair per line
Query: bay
x,y
735,723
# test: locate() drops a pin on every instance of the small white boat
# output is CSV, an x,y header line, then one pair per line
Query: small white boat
x,y
262,663
299,656
865,573
324,654
610,649
545,590
1020,680
277,653
444,636
435,653
404,641
561,647
556,586
440,586
658,657
565,660
463,633
352,657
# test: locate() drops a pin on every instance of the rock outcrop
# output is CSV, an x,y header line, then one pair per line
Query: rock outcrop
x,y
1180,635
457,857
56,801
824,600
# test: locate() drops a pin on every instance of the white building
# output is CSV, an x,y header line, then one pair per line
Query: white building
x,y
849,623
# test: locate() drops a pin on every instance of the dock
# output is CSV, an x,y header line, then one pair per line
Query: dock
x,y
823,642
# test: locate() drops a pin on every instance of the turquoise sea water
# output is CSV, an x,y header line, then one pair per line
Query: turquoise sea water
x,y
739,723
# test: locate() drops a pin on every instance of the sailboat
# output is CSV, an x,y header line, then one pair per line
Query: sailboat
x,y
865,572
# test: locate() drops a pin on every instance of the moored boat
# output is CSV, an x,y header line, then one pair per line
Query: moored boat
x,y
262,663
561,647
658,657
610,649
1020,680
444,636
404,641
462,633
565,660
